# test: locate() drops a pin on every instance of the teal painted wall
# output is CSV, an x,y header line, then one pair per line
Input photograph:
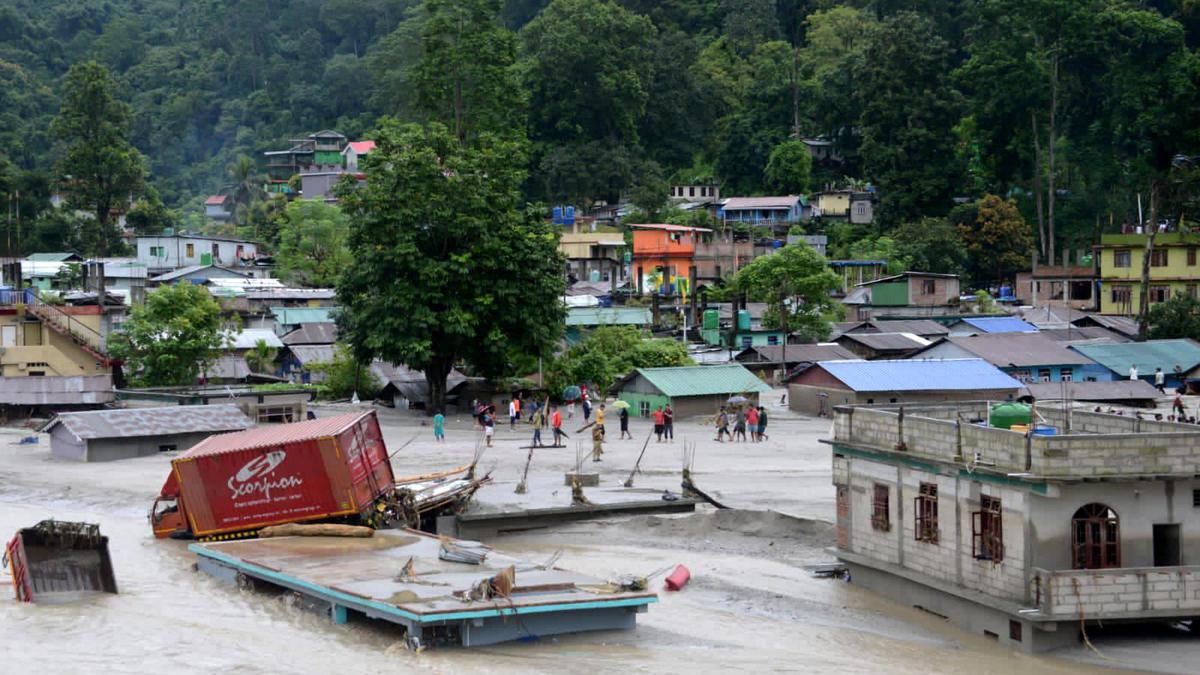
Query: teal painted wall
x,y
635,400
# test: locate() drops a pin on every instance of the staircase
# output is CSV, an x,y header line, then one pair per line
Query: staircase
x,y
73,329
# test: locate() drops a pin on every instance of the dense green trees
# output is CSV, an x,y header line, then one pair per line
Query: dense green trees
x,y
1070,108
172,338
796,282
100,170
449,266
312,244
610,352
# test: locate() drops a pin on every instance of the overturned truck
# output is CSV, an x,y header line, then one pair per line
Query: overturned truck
x,y
332,469
59,561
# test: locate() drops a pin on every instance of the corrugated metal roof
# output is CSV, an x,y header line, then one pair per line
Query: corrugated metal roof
x,y
192,269
249,338
1001,324
605,316
227,367
1084,333
914,326
739,203
263,437
887,341
291,316
52,257
312,334
1019,350
731,378
310,354
920,375
799,353
1147,356
1117,390
133,422
905,275
56,390
1121,324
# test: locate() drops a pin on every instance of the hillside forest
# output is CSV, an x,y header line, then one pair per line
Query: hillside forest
x,y
1055,115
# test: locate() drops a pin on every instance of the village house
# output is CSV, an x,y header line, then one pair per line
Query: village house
x,y
1174,269
815,390
783,211
1025,538
315,154
854,206
904,295
689,390
700,193
582,320
1027,357
1072,283
925,328
219,208
106,435
167,252
595,255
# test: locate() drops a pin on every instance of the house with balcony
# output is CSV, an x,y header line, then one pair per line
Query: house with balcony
x,y
52,357
781,211
1020,536
316,153
596,254
219,208
1174,269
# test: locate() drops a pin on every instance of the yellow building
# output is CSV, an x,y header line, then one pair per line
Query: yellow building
x,y
48,341
595,255
1173,269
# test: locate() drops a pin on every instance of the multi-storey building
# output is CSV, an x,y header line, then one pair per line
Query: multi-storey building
x,y
1023,537
1174,269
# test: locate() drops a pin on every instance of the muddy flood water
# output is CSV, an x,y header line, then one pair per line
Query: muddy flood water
x,y
751,607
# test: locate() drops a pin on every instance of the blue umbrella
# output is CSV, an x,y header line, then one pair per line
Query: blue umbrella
x,y
737,400
571,393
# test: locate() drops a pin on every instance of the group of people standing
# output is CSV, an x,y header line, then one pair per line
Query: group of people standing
x,y
752,419
664,423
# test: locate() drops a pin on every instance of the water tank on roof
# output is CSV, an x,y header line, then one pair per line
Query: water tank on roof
x,y
569,216
712,319
743,320
1005,415
556,215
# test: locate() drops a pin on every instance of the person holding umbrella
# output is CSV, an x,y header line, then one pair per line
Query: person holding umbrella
x,y
623,407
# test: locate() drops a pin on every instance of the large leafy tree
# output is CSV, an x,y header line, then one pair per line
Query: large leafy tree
x,y
931,245
172,338
797,284
610,352
312,244
467,78
789,168
100,168
448,265
1178,317
998,240
906,113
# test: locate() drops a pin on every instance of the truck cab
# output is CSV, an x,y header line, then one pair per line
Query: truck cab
x,y
166,515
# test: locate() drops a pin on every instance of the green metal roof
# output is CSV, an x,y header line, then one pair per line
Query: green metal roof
x,y
1165,354
703,380
298,315
606,316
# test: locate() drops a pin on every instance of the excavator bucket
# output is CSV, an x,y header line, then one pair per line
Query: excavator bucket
x,y
58,561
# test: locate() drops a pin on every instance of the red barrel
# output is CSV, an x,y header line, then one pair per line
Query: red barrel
x,y
679,578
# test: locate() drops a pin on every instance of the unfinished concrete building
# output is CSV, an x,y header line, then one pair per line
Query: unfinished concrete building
x,y
1023,537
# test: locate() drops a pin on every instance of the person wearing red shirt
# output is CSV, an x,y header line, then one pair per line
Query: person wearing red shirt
x,y
659,417
752,423
556,424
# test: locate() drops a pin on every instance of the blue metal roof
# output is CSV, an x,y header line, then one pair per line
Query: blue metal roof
x,y
1001,324
920,375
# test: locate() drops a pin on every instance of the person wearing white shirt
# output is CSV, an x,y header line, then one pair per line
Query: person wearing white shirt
x,y
1133,372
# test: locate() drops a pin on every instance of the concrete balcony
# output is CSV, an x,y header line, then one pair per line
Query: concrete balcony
x,y
1117,593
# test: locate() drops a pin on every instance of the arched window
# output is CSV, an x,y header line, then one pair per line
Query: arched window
x,y
1095,538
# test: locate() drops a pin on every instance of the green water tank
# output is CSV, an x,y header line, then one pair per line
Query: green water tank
x,y
1004,415
712,319
743,320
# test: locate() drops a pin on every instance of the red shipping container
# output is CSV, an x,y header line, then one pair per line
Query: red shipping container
x,y
314,470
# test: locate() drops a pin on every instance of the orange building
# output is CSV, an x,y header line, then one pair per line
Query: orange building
x,y
661,252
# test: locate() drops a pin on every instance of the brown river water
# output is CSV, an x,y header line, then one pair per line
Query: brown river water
x,y
751,607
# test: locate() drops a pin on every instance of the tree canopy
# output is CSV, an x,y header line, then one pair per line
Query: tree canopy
x,y
172,338
796,283
449,265
312,244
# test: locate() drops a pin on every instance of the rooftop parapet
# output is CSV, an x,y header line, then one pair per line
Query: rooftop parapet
x,y
1087,445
